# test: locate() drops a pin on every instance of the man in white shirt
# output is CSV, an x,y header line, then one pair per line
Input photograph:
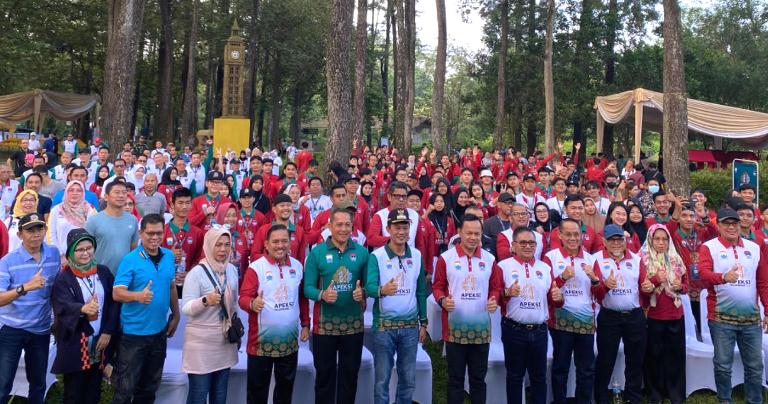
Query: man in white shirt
x,y
34,144
528,291
70,145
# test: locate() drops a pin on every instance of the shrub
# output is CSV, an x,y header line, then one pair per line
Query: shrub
x,y
716,183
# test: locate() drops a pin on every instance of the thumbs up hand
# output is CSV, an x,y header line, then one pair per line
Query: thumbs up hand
x,y
91,308
646,286
258,303
357,294
514,290
567,273
611,283
491,306
732,275
146,295
329,294
213,298
37,281
389,288
448,304
557,294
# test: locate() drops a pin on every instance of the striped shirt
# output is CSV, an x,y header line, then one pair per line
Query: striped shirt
x,y
31,312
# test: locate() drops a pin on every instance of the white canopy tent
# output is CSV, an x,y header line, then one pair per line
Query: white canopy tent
x,y
645,109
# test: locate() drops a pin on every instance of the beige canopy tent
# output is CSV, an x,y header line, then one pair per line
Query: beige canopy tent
x,y
35,104
644,109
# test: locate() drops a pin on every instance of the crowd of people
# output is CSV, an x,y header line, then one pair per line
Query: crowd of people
x,y
107,248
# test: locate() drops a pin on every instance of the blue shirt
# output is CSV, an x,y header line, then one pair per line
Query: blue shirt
x,y
90,197
135,271
31,312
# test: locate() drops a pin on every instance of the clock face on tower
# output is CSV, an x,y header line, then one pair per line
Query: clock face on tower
x,y
235,54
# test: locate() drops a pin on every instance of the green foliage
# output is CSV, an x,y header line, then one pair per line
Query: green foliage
x,y
717,184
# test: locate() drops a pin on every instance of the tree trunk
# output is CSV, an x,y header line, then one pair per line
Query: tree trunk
x,y
549,91
385,122
410,79
530,131
339,82
361,36
124,28
189,100
612,26
252,62
501,78
296,101
438,91
262,103
277,103
401,71
163,129
675,104
137,89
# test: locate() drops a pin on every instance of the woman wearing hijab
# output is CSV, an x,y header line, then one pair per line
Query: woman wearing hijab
x,y
210,290
477,193
169,182
102,174
618,214
26,203
366,191
442,227
442,187
86,318
637,220
261,201
544,221
665,352
592,216
70,214
463,201
137,177
228,216
130,206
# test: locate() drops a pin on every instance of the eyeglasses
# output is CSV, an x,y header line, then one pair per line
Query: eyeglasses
x,y
520,214
526,243
154,233
730,224
399,196
221,226
85,250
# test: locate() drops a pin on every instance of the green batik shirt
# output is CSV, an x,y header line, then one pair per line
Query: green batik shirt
x,y
325,263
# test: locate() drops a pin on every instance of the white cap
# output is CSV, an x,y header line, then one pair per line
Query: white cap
x,y
486,173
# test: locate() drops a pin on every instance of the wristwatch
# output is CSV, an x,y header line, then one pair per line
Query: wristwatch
x,y
20,290
205,301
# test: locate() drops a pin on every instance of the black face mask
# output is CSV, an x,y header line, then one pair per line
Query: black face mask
x,y
611,185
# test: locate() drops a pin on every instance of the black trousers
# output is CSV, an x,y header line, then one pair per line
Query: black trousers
x,y
665,360
260,374
696,310
612,327
139,368
336,383
472,359
83,387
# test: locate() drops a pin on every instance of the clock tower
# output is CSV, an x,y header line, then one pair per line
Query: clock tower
x,y
234,55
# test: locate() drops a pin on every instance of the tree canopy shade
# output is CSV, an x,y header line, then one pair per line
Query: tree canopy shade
x,y
645,108
36,103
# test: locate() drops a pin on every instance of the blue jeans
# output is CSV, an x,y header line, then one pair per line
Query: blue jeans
x,y
208,388
403,342
581,346
35,346
525,349
750,340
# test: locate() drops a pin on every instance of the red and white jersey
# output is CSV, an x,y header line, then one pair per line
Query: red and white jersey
x,y
530,202
383,214
626,295
535,280
504,244
578,311
734,303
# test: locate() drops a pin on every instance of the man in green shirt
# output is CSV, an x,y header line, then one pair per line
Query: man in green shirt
x,y
333,275
395,278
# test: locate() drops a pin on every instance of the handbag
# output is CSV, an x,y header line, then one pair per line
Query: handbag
x,y
235,329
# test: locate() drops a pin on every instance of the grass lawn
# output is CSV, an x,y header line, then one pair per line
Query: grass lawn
x,y
439,382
